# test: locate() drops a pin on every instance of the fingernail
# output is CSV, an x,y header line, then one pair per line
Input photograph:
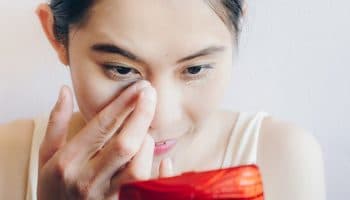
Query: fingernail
x,y
149,93
168,164
61,97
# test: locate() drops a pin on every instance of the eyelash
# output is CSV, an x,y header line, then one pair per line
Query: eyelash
x,y
113,70
204,71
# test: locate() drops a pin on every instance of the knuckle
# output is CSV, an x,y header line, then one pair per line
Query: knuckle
x,y
78,186
81,190
106,124
125,148
61,171
84,186
44,154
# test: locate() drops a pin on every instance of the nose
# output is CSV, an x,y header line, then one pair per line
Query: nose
x,y
168,108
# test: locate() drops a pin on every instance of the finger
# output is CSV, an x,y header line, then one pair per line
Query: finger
x,y
122,148
57,127
137,125
139,168
166,168
104,125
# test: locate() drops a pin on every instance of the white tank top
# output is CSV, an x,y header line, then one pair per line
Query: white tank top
x,y
241,148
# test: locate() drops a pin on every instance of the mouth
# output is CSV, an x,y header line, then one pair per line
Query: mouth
x,y
163,147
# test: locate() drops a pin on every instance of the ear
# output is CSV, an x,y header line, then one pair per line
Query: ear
x,y
245,9
46,18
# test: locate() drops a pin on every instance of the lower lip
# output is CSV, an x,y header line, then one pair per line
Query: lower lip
x,y
163,148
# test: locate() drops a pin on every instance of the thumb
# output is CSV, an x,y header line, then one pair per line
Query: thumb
x,y
57,127
166,168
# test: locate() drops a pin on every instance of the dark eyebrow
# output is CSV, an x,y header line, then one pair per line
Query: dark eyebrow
x,y
204,52
111,48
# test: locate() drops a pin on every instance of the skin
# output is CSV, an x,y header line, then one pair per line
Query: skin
x,y
77,146
180,108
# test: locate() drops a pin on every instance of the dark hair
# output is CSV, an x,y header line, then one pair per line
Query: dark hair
x,y
75,12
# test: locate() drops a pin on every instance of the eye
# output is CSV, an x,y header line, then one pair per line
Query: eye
x,y
120,69
194,70
197,71
123,70
120,72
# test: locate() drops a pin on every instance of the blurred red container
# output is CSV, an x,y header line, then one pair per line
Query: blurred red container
x,y
236,183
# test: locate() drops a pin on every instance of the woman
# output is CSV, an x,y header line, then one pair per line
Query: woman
x,y
148,77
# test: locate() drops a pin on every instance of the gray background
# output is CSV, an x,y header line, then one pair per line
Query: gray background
x,y
293,62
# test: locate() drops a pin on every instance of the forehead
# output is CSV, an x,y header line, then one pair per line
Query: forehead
x,y
157,25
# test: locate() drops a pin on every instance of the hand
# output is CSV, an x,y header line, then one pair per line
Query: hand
x,y
112,149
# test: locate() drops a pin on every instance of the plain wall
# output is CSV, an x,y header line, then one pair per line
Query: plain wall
x,y
293,62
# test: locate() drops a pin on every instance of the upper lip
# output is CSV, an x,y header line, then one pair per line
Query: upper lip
x,y
163,141
158,140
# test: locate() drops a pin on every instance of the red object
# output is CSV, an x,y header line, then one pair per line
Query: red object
x,y
237,183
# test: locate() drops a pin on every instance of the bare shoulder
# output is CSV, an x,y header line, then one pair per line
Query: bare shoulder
x,y
286,133
291,162
15,143
17,132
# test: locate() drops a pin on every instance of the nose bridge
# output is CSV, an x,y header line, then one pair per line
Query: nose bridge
x,y
168,107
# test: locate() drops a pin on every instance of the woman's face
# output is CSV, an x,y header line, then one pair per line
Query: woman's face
x,y
181,46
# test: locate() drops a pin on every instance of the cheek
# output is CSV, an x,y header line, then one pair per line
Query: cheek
x,y
205,102
204,99
93,90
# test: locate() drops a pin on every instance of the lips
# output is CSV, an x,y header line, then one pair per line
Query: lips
x,y
162,147
160,143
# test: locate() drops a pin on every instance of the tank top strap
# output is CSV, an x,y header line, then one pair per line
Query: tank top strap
x,y
243,141
40,125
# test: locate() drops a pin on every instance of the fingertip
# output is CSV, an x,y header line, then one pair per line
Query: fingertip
x,y
63,91
64,104
166,168
67,94
60,99
149,93
168,163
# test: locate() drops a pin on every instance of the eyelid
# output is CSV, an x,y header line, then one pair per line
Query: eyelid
x,y
203,66
108,67
117,64
194,77
109,70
